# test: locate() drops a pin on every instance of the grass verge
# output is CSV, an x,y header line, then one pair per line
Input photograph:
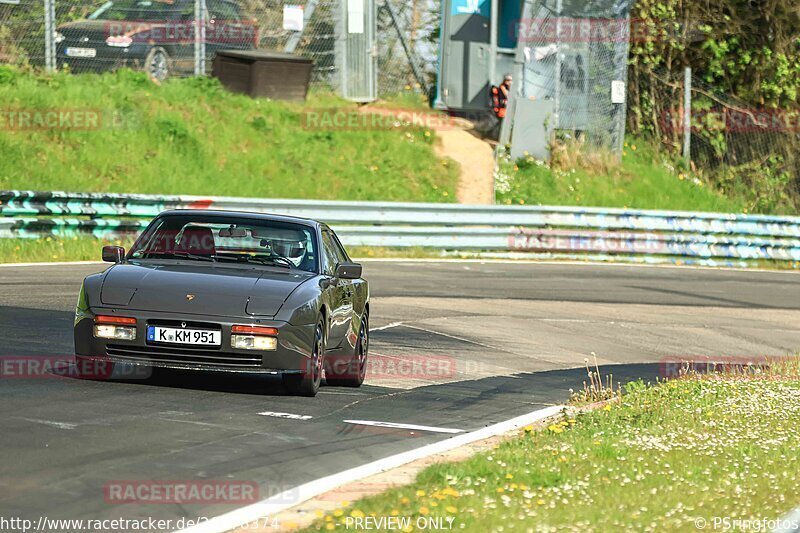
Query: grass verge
x,y
87,248
642,180
689,451
49,249
190,136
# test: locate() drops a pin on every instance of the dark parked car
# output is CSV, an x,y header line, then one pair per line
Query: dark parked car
x,y
153,35
231,292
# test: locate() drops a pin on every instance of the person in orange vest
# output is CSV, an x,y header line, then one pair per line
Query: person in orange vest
x,y
500,94
500,97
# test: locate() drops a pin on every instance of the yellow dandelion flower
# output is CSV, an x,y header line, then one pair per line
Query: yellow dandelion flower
x,y
420,493
424,510
355,513
509,476
451,509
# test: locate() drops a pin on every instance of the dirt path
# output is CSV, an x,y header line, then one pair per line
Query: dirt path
x,y
476,158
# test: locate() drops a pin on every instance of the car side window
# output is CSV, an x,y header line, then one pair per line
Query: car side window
x,y
222,11
231,12
340,251
329,253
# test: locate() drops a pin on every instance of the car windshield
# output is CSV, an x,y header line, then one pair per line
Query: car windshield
x,y
139,10
230,240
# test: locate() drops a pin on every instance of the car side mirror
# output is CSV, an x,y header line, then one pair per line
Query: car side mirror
x,y
348,270
113,254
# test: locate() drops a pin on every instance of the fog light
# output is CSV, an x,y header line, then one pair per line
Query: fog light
x,y
105,331
254,342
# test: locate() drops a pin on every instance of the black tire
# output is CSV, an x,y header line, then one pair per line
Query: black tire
x,y
355,372
158,64
88,368
307,383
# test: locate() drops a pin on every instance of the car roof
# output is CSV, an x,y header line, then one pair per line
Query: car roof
x,y
265,217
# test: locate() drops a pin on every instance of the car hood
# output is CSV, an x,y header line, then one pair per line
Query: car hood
x,y
109,27
205,289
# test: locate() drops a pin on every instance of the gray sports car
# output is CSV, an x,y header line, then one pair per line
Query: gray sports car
x,y
233,292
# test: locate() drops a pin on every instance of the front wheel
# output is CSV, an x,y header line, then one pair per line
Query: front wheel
x,y
307,383
353,373
157,64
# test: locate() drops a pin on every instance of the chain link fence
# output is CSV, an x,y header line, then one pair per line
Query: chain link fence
x,y
747,149
408,40
575,55
170,38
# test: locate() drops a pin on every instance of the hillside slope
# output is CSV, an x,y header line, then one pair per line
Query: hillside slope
x,y
190,136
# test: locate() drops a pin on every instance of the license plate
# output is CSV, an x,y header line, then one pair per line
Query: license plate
x,y
184,336
81,52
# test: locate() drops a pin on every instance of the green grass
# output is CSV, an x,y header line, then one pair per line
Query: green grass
x,y
643,180
668,455
190,136
87,248
50,249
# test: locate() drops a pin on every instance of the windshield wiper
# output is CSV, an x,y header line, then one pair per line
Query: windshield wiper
x,y
179,255
275,260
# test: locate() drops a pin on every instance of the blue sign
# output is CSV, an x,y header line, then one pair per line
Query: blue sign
x,y
471,7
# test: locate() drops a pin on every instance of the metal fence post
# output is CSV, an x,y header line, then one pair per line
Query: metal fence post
x,y
687,114
557,93
199,37
49,35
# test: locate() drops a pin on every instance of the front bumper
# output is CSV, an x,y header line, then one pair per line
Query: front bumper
x,y
107,58
292,355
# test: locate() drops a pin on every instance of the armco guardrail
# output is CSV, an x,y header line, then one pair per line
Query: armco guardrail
x,y
441,226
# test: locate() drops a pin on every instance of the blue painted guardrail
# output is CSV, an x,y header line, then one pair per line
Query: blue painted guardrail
x,y
514,229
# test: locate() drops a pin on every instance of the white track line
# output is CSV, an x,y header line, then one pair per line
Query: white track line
x,y
290,416
272,506
387,326
395,425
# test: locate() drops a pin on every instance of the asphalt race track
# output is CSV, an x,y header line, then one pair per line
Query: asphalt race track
x,y
507,339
